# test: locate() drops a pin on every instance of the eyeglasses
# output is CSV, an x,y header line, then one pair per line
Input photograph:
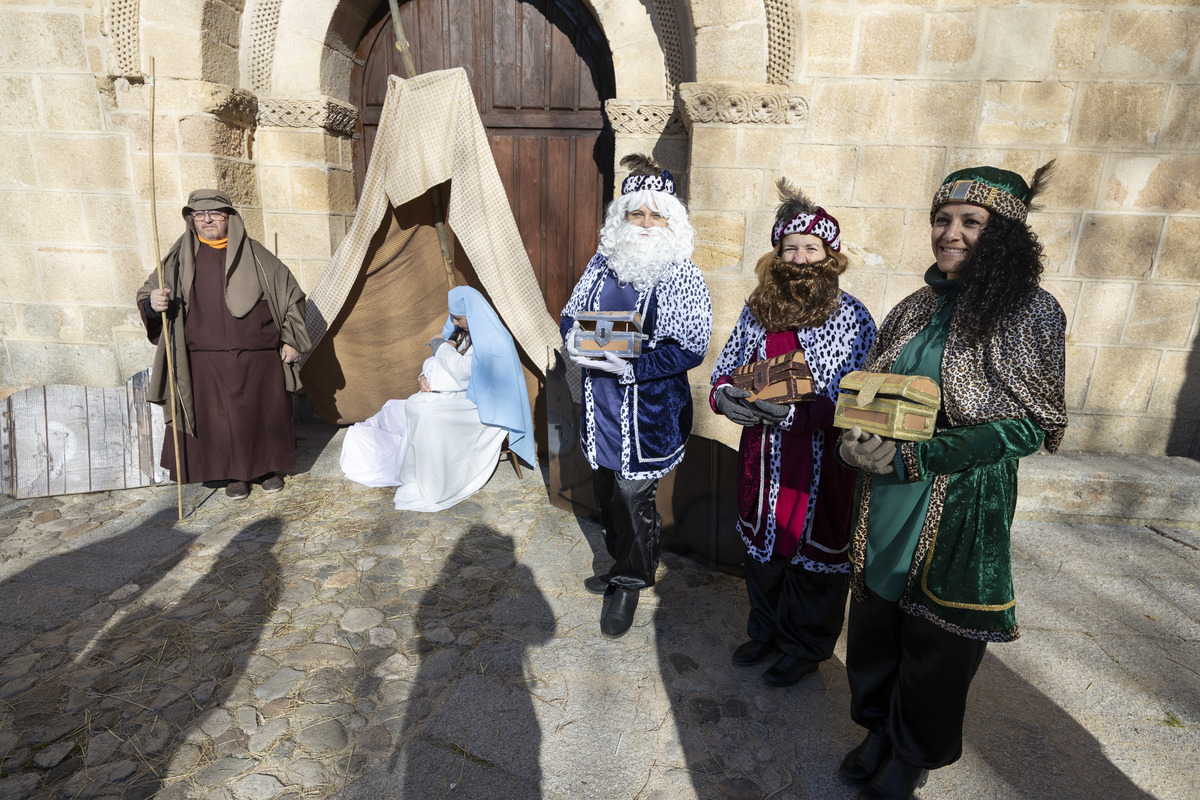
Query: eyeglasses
x,y
215,216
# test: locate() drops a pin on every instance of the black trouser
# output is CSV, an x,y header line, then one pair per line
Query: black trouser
x,y
801,610
631,526
910,677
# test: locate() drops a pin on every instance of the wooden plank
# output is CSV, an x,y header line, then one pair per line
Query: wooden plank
x,y
506,90
461,41
586,218
141,443
563,63
67,439
504,154
528,210
107,415
426,36
533,59
30,458
558,211
7,485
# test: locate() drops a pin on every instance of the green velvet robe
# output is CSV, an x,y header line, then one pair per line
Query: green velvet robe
x,y
1001,401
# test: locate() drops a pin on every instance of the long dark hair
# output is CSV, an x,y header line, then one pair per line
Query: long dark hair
x,y
1000,275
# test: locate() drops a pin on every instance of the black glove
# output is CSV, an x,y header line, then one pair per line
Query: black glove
x,y
730,402
867,452
770,413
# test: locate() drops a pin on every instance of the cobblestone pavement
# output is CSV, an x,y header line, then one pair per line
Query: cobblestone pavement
x,y
316,643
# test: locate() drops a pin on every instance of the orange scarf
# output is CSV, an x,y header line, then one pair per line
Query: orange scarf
x,y
216,244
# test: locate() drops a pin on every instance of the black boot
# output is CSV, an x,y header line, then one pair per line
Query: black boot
x,y
619,616
598,584
788,670
864,762
752,652
896,782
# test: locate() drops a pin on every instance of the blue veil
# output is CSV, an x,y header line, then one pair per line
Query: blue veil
x,y
497,386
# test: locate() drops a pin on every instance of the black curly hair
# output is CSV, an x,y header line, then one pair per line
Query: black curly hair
x,y
1000,274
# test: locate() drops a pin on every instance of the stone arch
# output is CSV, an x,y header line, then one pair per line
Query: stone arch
x,y
650,41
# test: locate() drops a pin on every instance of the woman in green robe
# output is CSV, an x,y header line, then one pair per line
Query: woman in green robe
x,y
932,579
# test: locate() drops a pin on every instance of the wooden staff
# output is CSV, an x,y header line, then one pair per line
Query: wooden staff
x,y
166,327
435,194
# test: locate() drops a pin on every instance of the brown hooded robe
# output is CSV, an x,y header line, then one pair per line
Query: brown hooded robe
x,y
231,311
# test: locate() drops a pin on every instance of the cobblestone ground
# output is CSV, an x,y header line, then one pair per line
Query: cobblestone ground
x,y
318,644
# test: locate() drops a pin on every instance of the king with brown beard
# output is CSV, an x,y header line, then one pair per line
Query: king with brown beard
x,y
794,498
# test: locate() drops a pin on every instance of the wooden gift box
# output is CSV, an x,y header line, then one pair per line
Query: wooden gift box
x,y
893,406
783,379
616,332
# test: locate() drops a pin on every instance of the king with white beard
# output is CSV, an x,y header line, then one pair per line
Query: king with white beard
x,y
637,414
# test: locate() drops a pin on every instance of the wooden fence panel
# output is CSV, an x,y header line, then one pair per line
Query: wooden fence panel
x,y
60,439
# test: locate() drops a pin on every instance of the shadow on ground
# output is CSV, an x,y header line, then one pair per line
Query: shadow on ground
x,y
470,729
134,650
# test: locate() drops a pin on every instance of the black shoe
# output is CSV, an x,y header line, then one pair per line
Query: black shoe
x,y
619,615
237,490
864,762
272,484
788,670
752,652
896,782
597,584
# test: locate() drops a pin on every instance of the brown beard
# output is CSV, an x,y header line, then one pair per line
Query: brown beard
x,y
796,295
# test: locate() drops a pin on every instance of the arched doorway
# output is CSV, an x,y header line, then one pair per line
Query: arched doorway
x,y
540,71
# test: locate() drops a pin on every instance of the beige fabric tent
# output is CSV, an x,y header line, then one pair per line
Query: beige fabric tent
x,y
383,296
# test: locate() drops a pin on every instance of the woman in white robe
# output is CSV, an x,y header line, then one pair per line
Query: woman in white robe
x,y
436,445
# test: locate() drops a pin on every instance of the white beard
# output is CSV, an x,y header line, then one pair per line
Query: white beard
x,y
642,256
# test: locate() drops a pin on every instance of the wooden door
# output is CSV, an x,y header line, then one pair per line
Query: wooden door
x,y
540,71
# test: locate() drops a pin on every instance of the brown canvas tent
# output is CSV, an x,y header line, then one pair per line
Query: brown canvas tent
x,y
383,295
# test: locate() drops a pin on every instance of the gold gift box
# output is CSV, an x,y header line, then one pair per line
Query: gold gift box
x,y
616,332
893,406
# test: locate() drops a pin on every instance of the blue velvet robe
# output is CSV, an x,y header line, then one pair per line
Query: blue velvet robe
x,y
654,417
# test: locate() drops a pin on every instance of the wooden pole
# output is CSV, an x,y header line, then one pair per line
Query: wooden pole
x,y
166,326
435,194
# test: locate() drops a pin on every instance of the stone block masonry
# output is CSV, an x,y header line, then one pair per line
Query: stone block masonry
x,y
866,105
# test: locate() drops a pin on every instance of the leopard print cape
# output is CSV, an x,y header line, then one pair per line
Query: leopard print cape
x,y
1020,372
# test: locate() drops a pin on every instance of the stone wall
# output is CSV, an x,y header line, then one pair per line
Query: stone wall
x,y
865,104
884,99
75,192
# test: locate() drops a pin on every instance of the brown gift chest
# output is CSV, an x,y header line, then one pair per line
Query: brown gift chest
x,y
783,379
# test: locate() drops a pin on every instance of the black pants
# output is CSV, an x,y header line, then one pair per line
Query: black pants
x,y
909,677
801,610
631,526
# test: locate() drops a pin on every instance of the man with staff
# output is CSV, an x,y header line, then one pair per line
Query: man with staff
x,y
236,329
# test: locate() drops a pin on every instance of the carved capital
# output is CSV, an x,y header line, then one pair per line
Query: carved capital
x,y
741,103
235,106
644,118
333,115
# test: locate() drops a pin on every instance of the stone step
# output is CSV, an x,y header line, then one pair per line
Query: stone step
x,y
1126,490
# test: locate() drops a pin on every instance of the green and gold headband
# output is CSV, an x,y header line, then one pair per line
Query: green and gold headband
x,y
998,190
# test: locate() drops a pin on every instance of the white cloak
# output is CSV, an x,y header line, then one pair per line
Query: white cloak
x,y
431,445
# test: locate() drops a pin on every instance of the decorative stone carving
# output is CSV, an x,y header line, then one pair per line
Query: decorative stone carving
x,y
235,106
738,103
121,24
263,26
666,24
334,116
644,118
781,40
